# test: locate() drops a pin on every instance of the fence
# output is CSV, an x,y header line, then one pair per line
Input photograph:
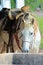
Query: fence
x,y
21,59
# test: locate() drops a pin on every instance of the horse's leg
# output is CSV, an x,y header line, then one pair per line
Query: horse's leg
x,y
10,43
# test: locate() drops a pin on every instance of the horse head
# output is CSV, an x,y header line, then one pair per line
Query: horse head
x,y
30,33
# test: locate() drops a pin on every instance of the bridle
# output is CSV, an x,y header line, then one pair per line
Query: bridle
x,y
18,40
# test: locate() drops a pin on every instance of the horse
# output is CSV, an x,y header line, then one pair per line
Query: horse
x,y
19,20
31,37
30,32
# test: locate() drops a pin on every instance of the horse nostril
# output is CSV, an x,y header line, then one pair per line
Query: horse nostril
x,y
25,51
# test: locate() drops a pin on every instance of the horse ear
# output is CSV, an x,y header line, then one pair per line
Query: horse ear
x,y
10,15
25,8
18,15
15,14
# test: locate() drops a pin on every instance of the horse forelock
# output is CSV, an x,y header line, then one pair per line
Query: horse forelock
x,y
33,22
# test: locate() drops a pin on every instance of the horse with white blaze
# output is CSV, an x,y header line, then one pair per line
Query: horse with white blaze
x,y
31,36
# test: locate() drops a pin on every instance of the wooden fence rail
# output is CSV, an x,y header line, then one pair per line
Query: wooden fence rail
x,y
21,59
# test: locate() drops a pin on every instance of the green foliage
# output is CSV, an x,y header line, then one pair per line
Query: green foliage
x,y
32,3
13,3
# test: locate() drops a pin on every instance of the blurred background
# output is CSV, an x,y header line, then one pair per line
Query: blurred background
x,y
32,3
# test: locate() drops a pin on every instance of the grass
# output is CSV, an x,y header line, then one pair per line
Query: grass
x,y
40,19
